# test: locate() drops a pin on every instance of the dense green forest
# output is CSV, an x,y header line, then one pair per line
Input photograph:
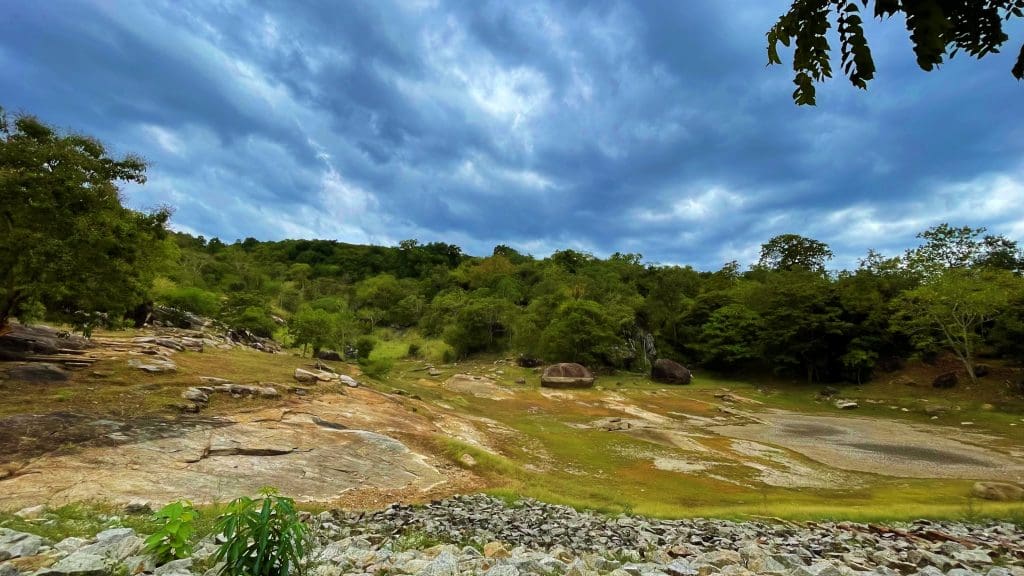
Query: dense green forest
x,y
71,250
959,292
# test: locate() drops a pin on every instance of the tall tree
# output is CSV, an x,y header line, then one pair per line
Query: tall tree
x,y
951,309
948,246
794,252
66,239
939,29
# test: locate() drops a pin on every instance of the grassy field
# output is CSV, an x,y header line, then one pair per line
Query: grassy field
x,y
539,444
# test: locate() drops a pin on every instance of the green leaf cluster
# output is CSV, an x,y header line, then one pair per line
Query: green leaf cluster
x,y
66,239
938,29
173,539
262,537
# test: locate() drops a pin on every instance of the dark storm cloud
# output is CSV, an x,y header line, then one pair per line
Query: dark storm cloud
x,y
604,126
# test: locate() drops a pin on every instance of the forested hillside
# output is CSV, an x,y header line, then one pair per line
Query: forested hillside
x,y
960,292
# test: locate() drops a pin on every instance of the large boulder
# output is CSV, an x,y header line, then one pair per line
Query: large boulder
x,y
41,372
670,372
566,375
998,491
945,380
24,341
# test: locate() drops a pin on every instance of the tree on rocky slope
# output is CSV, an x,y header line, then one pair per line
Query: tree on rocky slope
x,y
66,240
939,29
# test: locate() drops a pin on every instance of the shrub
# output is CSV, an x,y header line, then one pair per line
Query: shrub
x,y
365,345
173,539
377,367
256,320
262,536
437,351
192,300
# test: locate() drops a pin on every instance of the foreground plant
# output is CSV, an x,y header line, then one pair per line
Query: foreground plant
x,y
262,536
173,540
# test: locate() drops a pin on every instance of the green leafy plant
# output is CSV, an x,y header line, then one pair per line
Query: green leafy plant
x,y
262,536
173,540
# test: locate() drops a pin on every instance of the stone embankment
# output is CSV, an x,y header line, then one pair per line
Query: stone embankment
x,y
484,535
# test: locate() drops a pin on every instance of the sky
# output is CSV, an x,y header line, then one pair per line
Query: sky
x,y
649,127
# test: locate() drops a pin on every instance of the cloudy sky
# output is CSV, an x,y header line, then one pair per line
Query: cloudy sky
x,y
648,126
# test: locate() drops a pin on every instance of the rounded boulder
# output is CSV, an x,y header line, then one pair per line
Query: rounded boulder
x,y
670,372
998,491
566,375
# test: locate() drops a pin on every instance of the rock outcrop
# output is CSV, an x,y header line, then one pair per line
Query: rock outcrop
x,y
566,375
40,372
24,341
670,372
998,491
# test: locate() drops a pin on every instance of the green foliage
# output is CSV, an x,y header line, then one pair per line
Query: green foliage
x,y
786,314
66,240
255,319
377,367
478,325
191,299
582,332
437,351
365,346
732,337
951,310
319,328
938,29
262,537
173,537
794,252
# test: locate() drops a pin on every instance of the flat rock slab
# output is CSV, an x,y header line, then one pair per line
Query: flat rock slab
x,y
316,454
878,446
479,386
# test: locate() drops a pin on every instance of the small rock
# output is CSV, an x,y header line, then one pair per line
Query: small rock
x,y
138,506
31,513
180,567
195,395
973,556
496,550
18,545
680,567
154,365
348,381
502,570
846,404
77,564
303,375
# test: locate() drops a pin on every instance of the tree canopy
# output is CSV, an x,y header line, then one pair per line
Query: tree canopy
x,y
67,242
939,29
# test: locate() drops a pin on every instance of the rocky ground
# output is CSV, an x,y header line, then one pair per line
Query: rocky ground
x,y
484,535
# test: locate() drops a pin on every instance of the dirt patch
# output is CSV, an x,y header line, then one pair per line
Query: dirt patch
x,y
920,453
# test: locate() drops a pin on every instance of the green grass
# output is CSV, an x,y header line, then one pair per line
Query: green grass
x,y
592,469
551,455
